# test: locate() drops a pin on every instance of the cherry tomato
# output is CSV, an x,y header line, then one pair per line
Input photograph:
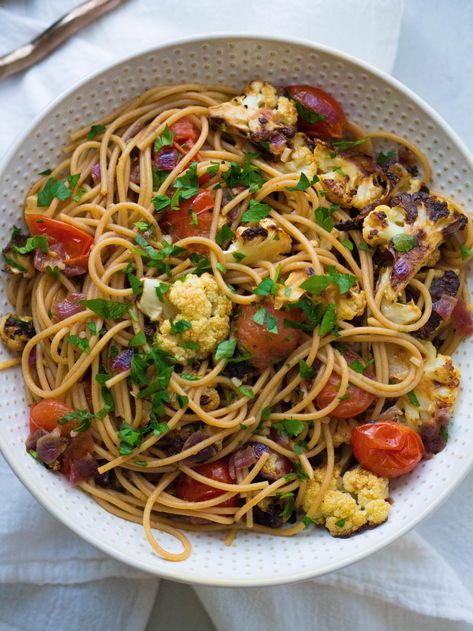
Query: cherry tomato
x,y
79,446
319,102
76,243
387,449
191,490
184,131
357,401
183,223
267,346
46,413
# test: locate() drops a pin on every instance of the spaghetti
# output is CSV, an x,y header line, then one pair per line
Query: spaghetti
x,y
216,291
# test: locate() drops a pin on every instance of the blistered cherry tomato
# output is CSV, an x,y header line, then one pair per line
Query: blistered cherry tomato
x,y
271,340
357,400
387,449
318,102
193,219
75,242
192,490
46,413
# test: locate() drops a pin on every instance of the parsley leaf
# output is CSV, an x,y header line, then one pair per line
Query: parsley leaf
x,y
158,177
465,252
317,284
265,288
329,321
256,211
247,392
130,438
384,157
413,398
225,349
310,116
301,185
165,140
32,243
45,172
82,343
290,427
224,234
188,184
265,413
95,130
307,521
179,326
81,417
348,144
160,202
106,309
403,242
340,522
323,218
182,400
305,371
348,244
53,188
138,340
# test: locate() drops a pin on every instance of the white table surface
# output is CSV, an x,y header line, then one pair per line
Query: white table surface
x,y
435,59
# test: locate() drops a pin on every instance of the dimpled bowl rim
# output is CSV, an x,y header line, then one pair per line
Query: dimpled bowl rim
x,y
175,571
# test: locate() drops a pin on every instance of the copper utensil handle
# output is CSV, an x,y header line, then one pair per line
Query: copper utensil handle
x,y
27,55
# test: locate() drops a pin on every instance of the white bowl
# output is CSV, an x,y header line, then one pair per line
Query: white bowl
x,y
369,97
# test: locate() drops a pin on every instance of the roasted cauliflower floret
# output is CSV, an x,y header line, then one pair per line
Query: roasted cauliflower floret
x,y
351,180
291,290
301,159
397,312
260,114
412,229
149,302
356,499
201,322
342,427
435,393
262,241
15,331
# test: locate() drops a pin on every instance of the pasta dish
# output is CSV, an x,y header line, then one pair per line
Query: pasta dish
x,y
237,310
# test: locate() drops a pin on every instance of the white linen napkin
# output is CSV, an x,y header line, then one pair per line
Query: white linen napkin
x,y
53,580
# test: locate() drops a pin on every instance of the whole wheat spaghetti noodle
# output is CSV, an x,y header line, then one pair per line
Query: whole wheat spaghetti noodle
x,y
218,293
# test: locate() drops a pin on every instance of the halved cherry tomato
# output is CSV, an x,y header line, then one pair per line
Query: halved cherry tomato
x,y
191,490
387,449
183,223
46,413
79,446
267,346
319,102
76,243
357,400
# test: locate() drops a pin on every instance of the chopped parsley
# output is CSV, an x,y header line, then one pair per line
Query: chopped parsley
x,y
225,349
317,284
82,418
224,235
266,287
32,243
310,116
95,130
182,400
340,523
82,343
329,321
443,432
106,309
323,217
247,392
138,340
45,172
188,184
384,157
305,371
359,367
289,426
465,252
413,398
160,202
307,521
348,244
403,242
265,413
180,326
166,139
256,211
249,175
52,189
343,145
271,322
213,169
301,185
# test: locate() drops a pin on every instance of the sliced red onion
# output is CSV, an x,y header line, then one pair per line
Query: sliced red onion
x,y
42,261
166,159
122,361
32,358
281,438
69,306
445,306
204,454
74,270
50,446
83,468
462,319
33,438
242,458
95,172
